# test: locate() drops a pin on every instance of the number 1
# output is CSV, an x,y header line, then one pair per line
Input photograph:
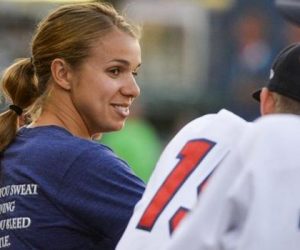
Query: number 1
x,y
190,157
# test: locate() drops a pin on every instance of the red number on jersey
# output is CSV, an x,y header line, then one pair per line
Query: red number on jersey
x,y
177,218
190,157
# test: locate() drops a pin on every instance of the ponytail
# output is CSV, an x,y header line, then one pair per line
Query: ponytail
x,y
19,86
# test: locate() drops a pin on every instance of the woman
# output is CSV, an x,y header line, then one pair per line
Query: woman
x,y
59,189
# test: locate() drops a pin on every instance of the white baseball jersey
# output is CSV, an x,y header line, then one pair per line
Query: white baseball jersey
x,y
253,200
183,168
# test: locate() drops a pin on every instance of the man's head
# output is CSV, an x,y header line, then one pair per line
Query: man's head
x,y
282,93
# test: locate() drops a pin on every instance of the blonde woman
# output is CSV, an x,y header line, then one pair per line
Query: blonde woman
x,y
58,188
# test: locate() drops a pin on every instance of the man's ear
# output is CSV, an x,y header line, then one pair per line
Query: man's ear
x,y
61,73
267,102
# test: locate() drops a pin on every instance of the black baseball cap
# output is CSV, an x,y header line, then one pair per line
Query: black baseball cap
x,y
285,74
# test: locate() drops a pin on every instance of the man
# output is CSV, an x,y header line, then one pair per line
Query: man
x,y
252,201
201,147
282,95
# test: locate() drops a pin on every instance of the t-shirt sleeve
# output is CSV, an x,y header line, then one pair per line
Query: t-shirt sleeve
x,y
99,191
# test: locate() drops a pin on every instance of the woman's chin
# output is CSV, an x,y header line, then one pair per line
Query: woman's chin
x,y
116,127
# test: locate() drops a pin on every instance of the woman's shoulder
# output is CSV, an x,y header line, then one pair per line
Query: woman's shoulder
x,y
55,144
57,138
59,152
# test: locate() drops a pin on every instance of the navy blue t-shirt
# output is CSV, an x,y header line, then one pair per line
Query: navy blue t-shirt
x,y
61,192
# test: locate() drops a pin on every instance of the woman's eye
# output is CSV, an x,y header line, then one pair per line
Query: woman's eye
x,y
115,71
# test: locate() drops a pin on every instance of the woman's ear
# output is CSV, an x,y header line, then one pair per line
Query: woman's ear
x,y
267,102
61,73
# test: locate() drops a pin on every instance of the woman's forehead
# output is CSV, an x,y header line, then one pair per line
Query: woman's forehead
x,y
117,45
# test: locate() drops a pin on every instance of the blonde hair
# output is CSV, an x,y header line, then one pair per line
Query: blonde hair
x,y
67,33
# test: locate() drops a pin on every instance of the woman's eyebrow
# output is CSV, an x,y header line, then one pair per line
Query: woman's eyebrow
x,y
125,62
122,61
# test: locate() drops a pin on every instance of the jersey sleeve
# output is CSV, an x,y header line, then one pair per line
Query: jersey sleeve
x,y
205,225
179,177
99,193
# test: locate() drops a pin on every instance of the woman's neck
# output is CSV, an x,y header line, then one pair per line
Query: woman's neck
x,y
64,119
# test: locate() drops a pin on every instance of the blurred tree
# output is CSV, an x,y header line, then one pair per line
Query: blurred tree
x,y
138,144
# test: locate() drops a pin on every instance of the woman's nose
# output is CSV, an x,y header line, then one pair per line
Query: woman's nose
x,y
131,88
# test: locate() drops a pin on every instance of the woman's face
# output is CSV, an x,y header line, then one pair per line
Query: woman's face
x,y
104,86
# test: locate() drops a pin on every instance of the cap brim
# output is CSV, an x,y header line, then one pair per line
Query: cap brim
x,y
256,95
